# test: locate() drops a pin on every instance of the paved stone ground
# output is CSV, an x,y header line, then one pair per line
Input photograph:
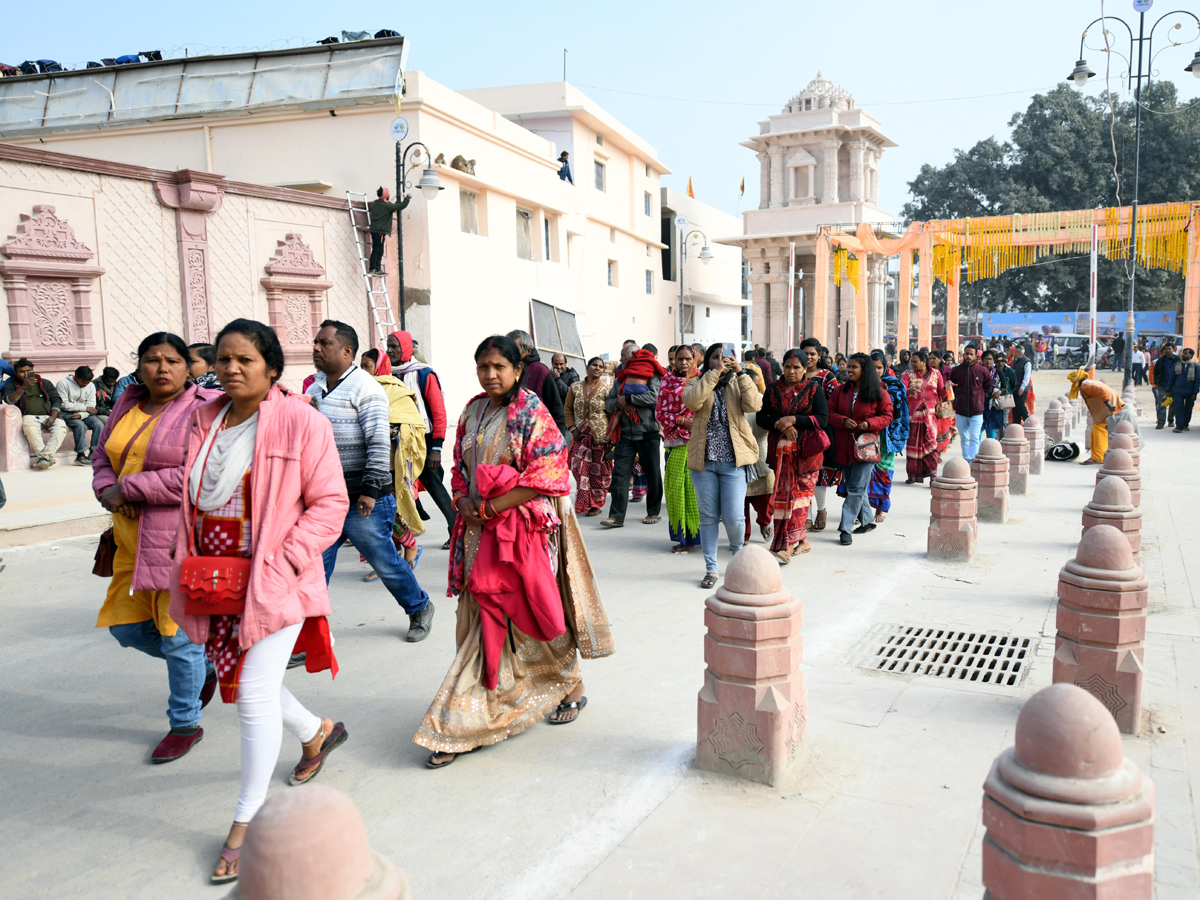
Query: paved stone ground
x,y
884,800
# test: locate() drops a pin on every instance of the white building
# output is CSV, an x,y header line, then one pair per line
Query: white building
x,y
506,244
820,160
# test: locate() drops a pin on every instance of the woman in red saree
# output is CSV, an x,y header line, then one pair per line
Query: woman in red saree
x,y
793,407
926,389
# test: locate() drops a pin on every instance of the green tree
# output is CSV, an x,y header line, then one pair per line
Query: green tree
x,y
1070,151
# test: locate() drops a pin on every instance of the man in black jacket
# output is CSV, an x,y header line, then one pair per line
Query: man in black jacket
x,y
381,214
40,406
1165,415
539,379
563,374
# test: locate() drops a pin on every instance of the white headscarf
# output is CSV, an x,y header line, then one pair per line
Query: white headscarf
x,y
231,455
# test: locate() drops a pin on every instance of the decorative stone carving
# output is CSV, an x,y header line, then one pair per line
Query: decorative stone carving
x,y
775,151
1102,599
1118,462
820,93
829,170
752,710
1067,815
1016,448
193,197
1112,505
278,862
990,471
952,507
296,287
48,286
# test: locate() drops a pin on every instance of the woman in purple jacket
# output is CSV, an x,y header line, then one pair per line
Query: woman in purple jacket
x,y
138,477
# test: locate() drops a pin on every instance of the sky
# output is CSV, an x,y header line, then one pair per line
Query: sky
x,y
693,79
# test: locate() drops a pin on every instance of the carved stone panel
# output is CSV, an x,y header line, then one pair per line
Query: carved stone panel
x,y
47,285
296,287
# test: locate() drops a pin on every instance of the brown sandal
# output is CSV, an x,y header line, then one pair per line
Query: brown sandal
x,y
310,766
819,523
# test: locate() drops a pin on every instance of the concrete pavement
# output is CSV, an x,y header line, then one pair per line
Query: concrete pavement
x,y
884,800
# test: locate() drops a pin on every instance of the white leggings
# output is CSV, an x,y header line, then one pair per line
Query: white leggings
x,y
819,496
264,706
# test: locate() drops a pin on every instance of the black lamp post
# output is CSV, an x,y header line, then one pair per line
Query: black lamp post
x,y
1080,75
429,186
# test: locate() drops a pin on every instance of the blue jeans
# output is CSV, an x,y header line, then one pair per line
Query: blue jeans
x,y
79,429
372,537
855,508
970,433
721,494
186,666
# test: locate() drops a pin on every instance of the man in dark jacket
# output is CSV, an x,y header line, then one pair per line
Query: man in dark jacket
x,y
640,439
1022,374
539,379
1163,367
381,214
563,374
973,385
40,406
1117,352
1183,382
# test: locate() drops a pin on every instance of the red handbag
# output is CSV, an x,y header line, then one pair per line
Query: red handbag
x,y
212,585
866,448
813,441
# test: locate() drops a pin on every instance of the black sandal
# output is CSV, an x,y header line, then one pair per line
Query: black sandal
x,y
709,580
430,764
566,706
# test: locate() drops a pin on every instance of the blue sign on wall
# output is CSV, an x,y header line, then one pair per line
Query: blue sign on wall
x,y
1149,322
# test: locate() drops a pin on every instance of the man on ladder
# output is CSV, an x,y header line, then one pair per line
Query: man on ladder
x,y
381,214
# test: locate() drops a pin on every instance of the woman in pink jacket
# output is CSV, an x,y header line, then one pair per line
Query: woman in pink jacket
x,y
262,480
138,476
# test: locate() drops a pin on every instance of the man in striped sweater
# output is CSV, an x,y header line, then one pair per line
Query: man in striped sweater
x,y
357,407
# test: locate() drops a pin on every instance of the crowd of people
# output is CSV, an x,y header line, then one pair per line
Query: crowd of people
x,y
232,496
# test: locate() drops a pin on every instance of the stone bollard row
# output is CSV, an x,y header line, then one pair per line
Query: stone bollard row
x,y
990,471
952,507
1112,505
1055,422
1101,621
1126,427
312,845
752,711
1128,443
1016,448
1067,815
1119,463
1068,415
1037,444
1130,398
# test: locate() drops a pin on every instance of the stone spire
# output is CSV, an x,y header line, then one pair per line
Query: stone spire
x,y
820,94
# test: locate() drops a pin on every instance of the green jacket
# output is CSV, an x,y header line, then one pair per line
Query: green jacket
x,y
382,212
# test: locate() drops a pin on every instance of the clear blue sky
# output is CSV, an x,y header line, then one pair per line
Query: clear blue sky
x,y
723,66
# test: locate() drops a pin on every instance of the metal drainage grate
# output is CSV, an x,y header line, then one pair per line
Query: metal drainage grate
x,y
970,656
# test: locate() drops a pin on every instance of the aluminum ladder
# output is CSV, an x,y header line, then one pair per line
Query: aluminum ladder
x,y
382,314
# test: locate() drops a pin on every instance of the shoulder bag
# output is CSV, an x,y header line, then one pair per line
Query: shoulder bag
x,y
212,585
865,447
106,550
813,441
1006,401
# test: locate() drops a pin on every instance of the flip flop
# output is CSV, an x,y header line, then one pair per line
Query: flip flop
x,y
336,738
230,856
446,546
416,559
709,580
371,576
430,764
612,523
651,520
592,512
569,705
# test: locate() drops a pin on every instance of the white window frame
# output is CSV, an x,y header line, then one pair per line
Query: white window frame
x,y
613,274
649,281
524,228
601,176
468,211
649,203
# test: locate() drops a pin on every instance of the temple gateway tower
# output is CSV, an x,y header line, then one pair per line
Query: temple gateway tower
x,y
819,167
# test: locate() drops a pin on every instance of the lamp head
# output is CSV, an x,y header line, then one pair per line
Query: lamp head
x,y
429,184
1081,73
706,254
1194,65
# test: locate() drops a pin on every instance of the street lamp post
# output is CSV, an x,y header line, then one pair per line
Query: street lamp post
x,y
1080,75
429,186
706,256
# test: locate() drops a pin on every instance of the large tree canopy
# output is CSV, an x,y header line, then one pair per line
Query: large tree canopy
x,y
1060,156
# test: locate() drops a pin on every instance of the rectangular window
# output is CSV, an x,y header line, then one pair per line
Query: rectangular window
x,y
647,170
546,230
600,140
468,211
556,331
649,203
599,176
708,312
612,273
524,236
612,235
649,282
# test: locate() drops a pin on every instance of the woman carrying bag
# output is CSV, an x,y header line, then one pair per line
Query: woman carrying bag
x,y
264,497
858,411
721,450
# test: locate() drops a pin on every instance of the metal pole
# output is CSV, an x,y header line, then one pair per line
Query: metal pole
x,y
1092,299
400,229
1137,152
682,252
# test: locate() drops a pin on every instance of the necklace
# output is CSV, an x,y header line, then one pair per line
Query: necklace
x,y
482,424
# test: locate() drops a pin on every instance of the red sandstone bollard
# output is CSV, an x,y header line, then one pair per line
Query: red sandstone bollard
x,y
1111,505
1102,598
952,507
1016,448
1129,398
990,471
1037,444
1055,422
1067,815
312,845
752,711
1120,463
1128,443
1068,415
